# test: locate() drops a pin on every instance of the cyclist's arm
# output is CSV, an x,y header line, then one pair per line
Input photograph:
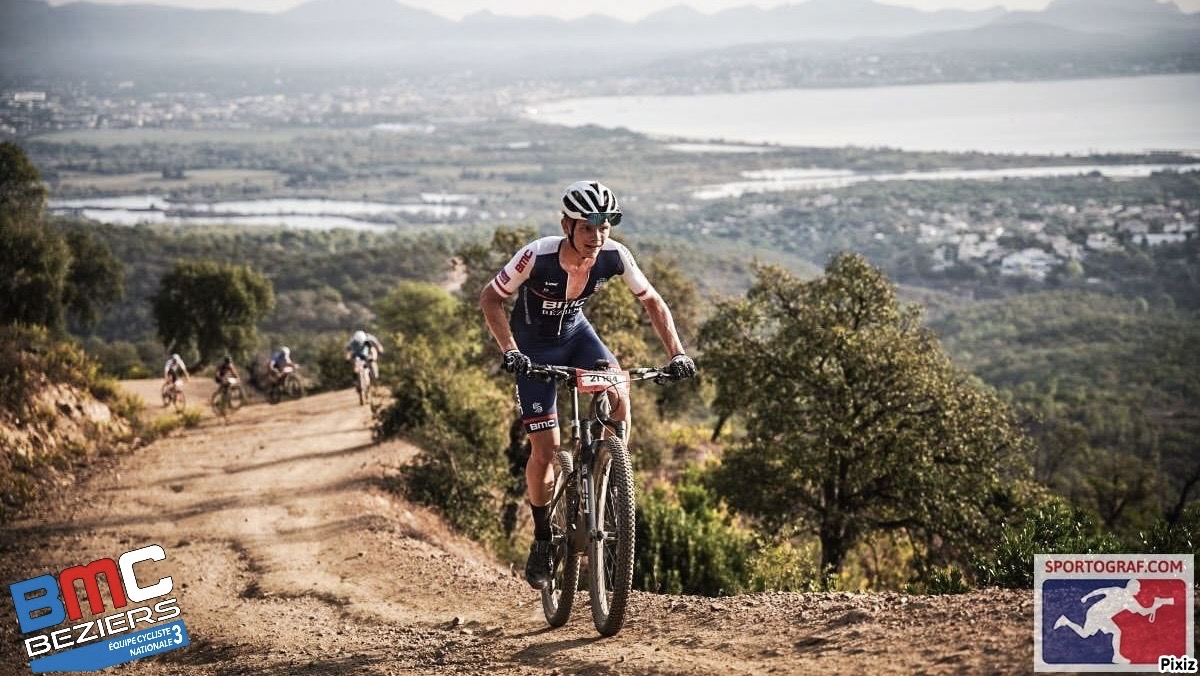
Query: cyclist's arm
x,y
492,304
663,323
660,314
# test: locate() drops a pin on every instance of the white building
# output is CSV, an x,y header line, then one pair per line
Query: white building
x,y
1031,263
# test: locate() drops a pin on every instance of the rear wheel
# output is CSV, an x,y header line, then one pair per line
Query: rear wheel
x,y
610,556
559,595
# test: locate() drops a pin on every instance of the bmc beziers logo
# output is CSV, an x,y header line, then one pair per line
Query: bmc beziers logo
x,y
1114,613
137,624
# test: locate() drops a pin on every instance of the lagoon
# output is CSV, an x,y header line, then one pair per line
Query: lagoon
x,y
1061,117
781,180
307,214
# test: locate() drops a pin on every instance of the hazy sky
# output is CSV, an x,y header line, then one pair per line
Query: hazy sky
x,y
623,9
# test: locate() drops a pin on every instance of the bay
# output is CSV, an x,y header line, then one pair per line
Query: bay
x,y
1060,117
307,214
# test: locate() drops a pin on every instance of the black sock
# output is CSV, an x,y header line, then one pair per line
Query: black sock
x,y
541,521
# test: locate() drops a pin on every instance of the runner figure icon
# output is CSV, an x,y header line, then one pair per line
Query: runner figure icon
x,y
1100,616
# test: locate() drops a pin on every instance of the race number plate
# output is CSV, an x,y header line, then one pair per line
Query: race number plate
x,y
599,381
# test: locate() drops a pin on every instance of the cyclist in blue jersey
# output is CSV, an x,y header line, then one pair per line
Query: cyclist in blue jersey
x,y
551,278
367,348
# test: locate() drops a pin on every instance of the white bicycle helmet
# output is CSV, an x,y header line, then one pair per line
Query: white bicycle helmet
x,y
582,199
359,337
285,351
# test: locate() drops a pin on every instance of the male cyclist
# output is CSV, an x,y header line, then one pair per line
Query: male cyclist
x,y
225,371
552,278
279,361
366,347
173,369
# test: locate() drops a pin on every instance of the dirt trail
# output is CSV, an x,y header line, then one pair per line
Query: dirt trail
x,y
289,556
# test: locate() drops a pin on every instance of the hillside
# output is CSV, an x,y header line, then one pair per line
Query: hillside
x,y
290,555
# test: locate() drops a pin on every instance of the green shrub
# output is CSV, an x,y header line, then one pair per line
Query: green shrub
x,y
460,421
1051,528
688,544
1181,537
940,580
785,567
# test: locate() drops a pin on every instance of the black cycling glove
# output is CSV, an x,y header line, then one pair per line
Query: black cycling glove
x,y
516,362
681,366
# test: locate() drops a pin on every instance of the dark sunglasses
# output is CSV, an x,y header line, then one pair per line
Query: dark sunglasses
x,y
596,220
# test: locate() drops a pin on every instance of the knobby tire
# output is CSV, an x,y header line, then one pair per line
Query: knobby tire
x,y
610,559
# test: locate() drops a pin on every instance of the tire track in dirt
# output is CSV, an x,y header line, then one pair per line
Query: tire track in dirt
x,y
290,556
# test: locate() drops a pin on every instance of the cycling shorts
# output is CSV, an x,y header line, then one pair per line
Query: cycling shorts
x,y
582,348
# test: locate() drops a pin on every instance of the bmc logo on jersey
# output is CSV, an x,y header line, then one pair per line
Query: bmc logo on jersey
x,y
525,257
1114,613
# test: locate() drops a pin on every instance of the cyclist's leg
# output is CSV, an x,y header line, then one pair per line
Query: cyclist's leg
x,y
540,417
586,349
541,424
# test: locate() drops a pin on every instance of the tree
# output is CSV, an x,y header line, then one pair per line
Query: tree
x,y
21,188
44,274
34,262
210,309
856,422
419,308
95,279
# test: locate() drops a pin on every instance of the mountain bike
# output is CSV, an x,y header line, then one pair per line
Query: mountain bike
x,y
229,396
172,395
362,379
592,508
286,385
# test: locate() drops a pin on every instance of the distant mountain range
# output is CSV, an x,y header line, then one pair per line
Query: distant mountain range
x,y
38,38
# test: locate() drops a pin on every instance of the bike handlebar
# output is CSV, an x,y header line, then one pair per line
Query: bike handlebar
x,y
659,374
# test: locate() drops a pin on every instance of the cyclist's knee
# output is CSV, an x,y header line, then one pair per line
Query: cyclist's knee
x,y
543,444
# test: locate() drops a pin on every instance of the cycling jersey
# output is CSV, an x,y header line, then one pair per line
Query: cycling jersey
x,y
364,349
542,309
173,369
226,371
551,329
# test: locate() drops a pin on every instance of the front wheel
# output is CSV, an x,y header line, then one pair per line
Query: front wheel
x,y
237,397
364,384
220,402
610,552
292,387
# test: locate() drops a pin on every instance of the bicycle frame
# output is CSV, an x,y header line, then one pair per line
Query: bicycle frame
x,y
583,501
583,440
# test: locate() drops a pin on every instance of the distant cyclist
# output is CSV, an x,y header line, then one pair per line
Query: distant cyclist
x,y
225,371
366,347
279,361
174,369
551,279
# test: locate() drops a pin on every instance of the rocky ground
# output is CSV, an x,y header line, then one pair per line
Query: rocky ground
x,y
288,555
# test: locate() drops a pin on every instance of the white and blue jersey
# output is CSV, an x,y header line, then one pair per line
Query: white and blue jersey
x,y
551,328
536,276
